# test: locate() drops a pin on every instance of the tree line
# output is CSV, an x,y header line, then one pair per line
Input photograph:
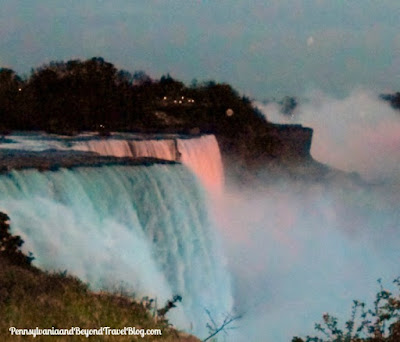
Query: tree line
x,y
94,95
86,95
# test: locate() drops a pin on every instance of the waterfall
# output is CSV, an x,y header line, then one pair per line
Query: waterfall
x,y
203,158
200,154
145,227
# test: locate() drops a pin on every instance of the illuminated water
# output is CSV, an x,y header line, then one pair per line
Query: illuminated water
x,y
145,227
294,250
200,154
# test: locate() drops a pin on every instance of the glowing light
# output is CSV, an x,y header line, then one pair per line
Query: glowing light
x,y
229,112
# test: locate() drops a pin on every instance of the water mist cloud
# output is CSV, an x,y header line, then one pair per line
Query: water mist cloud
x,y
297,250
359,133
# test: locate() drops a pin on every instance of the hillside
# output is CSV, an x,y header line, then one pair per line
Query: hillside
x,y
31,298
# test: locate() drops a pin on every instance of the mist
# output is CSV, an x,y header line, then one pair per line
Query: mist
x,y
359,133
297,250
294,250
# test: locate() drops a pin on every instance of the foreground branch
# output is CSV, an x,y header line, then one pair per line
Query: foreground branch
x,y
214,329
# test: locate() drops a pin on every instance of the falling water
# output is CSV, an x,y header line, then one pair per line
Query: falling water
x,y
145,227
200,154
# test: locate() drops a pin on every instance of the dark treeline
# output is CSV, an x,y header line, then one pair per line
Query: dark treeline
x,y
73,96
86,95
393,99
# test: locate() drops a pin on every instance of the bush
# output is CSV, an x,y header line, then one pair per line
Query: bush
x,y
379,324
10,245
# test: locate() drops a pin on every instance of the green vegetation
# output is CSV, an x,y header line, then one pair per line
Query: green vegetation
x,y
10,245
89,95
93,95
393,99
31,298
379,324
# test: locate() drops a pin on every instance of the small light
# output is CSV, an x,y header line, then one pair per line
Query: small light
x,y
229,112
19,89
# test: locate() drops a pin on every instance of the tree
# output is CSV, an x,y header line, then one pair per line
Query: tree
x,y
393,99
11,86
140,78
10,245
169,305
288,105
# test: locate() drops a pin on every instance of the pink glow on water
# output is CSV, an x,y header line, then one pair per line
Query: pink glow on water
x,y
161,149
201,154
203,158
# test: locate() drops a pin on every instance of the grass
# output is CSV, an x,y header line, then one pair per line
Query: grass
x,y
31,298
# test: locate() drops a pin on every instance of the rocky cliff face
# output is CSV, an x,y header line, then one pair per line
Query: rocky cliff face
x,y
293,141
285,144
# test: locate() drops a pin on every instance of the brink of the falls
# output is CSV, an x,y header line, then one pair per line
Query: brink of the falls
x,y
200,154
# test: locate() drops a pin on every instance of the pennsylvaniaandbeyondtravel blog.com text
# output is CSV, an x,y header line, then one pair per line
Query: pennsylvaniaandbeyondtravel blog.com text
x,y
103,331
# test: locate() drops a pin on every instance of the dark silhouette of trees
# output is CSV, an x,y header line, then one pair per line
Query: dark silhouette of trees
x,y
82,95
10,245
393,99
11,86
288,104
76,95
73,96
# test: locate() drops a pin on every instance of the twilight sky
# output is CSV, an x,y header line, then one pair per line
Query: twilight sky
x,y
263,48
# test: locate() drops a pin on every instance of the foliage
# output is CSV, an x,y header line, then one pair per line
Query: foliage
x,y
67,97
10,245
393,99
32,298
168,306
93,95
288,104
378,324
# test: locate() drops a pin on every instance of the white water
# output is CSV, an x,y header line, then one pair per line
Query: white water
x,y
295,250
200,154
145,227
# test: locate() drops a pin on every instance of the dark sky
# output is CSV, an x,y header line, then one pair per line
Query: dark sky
x,y
263,48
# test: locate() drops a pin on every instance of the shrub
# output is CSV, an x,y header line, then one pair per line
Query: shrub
x,y
10,245
379,324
